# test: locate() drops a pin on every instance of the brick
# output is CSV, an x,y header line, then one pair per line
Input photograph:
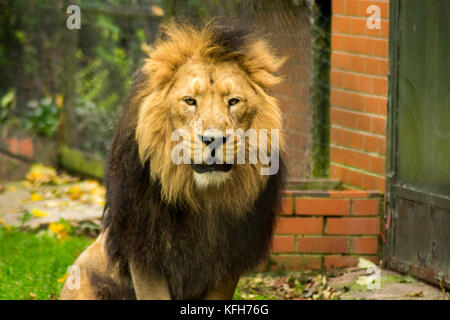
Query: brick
x,y
14,145
363,45
283,244
372,67
378,125
380,48
365,245
382,147
338,7
336,262
356,140
353,178
336,154
26,148
322,244
370,182
351,158
381,184
337,78
375,144
357,121
383,67
350,81
336,171
348,176
287,206
338,42
361,226
359,45
297,262
322,206
357,102
299,225
371,143
380,86
365,207
341,24
365,84
378,165
384,31
357,159
359,26
360,141
352,7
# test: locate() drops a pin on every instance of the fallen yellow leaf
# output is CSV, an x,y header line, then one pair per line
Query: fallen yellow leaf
x,y
56,227
63,279
36,196
415,294
75,192
4,224
39,213
39,173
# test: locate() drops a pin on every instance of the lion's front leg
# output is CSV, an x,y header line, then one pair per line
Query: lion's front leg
x,y
81,287
148,286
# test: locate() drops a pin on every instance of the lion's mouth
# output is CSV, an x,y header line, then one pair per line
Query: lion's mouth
x,y
202,168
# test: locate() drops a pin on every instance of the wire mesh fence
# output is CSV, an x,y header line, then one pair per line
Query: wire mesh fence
x,y
70,84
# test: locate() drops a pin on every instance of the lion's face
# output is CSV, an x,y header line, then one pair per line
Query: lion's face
x,y
219,97
195,82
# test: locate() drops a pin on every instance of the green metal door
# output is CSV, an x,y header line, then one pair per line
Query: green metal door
x,y
418,175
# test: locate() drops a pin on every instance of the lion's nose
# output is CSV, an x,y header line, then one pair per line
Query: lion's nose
x,y
207,140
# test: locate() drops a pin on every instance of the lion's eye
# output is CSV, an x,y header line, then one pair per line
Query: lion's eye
x,y
233,101
190,101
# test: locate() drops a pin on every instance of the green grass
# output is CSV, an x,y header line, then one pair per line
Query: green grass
x,y
33,262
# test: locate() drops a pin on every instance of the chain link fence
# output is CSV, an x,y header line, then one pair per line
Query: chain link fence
x,y
70,85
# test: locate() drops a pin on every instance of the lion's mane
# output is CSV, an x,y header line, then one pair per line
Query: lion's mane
x,y
158,226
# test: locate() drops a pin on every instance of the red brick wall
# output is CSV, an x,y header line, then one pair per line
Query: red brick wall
x,y
358,97
318,229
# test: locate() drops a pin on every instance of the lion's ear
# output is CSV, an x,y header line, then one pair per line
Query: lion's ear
x,y
261,63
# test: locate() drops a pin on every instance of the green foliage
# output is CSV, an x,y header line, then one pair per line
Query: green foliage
x,y
105,70
42,117
31,263
27,216
320,89
103,80
6,103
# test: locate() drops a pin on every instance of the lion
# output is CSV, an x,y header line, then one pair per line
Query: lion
x,y
188,230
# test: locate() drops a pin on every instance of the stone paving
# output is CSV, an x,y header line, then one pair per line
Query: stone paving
x,y
17,207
